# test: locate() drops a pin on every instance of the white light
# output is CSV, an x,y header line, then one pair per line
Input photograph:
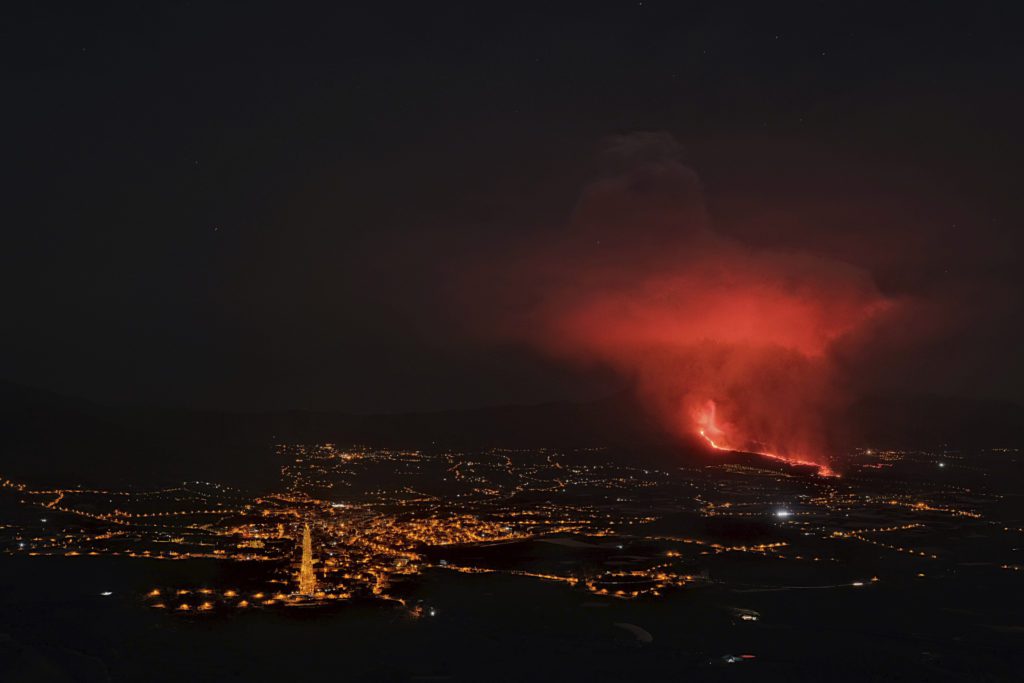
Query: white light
x,y
107,593
942,464
782,513
43,520
858,584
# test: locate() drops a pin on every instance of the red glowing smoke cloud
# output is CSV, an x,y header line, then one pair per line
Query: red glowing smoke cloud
x,y
730,345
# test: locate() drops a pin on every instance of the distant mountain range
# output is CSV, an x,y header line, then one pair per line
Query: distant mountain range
x,y
909,421
50,438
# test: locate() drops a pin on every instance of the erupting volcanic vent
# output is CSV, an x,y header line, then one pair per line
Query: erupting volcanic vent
x,y
730,345
708,427
716,437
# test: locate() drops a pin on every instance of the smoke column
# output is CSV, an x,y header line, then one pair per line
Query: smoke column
x,y
728,344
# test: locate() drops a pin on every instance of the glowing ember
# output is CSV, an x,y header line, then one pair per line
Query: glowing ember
x,y
715,436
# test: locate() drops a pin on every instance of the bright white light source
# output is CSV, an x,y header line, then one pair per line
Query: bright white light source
x,y
782,513
857,583
107,593
942,464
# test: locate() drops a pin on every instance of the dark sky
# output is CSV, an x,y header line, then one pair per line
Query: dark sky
x,y
255,205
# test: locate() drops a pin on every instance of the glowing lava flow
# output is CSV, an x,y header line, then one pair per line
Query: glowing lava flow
x,y
709,431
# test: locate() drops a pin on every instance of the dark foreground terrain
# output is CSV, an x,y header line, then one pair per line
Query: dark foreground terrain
x,y
58,628
525,566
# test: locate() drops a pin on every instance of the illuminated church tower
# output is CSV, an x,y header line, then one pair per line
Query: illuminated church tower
x,y
307,579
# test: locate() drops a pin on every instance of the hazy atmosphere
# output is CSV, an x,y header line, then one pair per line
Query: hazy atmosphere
x,y
512,342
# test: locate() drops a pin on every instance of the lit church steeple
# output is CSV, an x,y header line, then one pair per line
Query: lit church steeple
x,y
307,579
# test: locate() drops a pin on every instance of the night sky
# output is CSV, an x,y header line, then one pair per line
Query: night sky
x,y
263,206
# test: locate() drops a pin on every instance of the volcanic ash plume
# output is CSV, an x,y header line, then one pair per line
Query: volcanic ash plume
x,y
728,344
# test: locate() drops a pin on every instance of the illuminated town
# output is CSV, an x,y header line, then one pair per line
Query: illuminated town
x,y
357,525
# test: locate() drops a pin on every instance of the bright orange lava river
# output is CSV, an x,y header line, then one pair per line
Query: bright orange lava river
x,y
707,420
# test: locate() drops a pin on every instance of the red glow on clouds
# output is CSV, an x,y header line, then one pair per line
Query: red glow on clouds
x,y
729,345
